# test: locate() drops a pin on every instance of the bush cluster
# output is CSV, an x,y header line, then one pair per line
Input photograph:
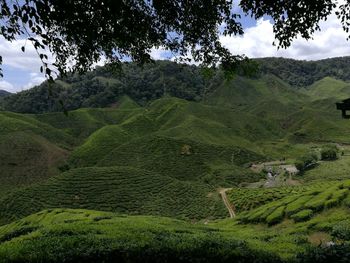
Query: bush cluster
x,y
306,161
329,153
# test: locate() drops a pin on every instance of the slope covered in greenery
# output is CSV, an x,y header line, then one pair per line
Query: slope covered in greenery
x,y
300,73
169,148
103,87
327,88
65,235
119,189
203,145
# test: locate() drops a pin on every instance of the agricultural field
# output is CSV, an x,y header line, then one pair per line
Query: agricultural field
x,y
138,177
300,206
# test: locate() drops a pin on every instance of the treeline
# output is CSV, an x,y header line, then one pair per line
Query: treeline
x,y
102,87
300,73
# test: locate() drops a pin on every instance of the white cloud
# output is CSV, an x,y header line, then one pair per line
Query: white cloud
x,y
257,42
4,85
35,79
161,54
14,57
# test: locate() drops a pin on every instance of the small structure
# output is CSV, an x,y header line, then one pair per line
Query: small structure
x,y
344,106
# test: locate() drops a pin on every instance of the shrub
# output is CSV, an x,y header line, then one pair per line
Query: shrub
x,y
347,201
331,203
329,153
306,161
325,254
276,216
297,205
342,230
303,215
318,202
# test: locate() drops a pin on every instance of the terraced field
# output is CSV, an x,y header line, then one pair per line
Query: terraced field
x,y
119,189
299,206
171,157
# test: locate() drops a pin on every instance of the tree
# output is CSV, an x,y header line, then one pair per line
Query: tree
x,y
329,152
84,30
306,161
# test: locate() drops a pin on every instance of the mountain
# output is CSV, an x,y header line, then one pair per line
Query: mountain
x,y
157,155
299,73
103,87
4,93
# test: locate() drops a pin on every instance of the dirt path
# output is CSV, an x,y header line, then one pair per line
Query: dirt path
x,y
226,202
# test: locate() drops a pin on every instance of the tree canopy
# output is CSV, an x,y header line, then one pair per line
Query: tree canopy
x,y
83,31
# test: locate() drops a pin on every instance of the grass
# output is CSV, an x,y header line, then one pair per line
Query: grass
x,y
329,170
329,88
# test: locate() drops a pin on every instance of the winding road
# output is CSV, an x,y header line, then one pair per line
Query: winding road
x,y
226,202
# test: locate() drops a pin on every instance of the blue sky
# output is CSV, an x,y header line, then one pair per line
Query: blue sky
x,y
22,70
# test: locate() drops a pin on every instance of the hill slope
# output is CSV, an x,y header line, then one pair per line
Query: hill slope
x,y
197,146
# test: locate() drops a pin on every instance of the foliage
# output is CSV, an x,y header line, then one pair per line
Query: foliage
x,y
133,28
301,205
341,230
302,215
329,153
76,236
119,189
324,254
300,73
306,161
102,88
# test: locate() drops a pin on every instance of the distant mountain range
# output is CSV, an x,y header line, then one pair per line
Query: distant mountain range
x,y
4,93
103,88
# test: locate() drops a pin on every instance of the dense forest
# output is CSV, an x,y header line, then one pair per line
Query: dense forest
x,y
103,87
300,73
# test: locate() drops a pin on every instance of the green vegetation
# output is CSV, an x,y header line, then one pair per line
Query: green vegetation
x,y
119,189
306,162
305,73
169,156
302,215
300,205
90,236
329,153
59,235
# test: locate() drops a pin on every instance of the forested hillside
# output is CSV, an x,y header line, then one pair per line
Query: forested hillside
x,y
167,140
304,73
103,87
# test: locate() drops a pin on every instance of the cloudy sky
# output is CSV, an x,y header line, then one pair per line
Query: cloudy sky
x,y
21,70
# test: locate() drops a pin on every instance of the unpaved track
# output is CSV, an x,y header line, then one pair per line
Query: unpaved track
x,y
226,202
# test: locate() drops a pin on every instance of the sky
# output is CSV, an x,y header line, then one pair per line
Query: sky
x,y
22,70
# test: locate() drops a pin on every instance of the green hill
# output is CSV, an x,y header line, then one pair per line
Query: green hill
x,y
119,189
30,151
4,93
58,235
329,88
169,141
90,236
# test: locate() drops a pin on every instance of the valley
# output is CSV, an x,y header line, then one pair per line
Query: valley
x,y
182,163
